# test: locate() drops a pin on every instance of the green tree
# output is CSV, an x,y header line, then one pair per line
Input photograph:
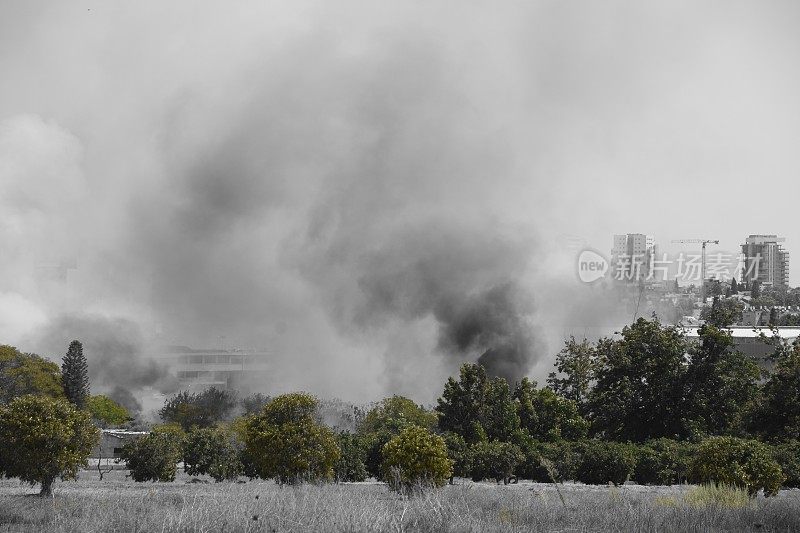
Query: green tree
x,y
254,403
385,420
106,412
755,289
415,459
734,286
773,317
75,375
44,439
499,418
153,457
721,384
26,373
212,451
203,409
778,415
462,403
458,451
395,414
748,464
286,443
494,460
723,312
574,371
547,416
605,462
351,464
639,389
476,407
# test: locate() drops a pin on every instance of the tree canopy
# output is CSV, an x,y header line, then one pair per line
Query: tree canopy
x,y
27,373
44,439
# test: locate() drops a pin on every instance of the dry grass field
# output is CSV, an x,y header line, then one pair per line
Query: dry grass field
x,y
117,504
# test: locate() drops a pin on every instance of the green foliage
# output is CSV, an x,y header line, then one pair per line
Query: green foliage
x,y
547,416
499,418
574,372
153,457
212,451
373,444
254,403
787,454
721,384
723,312
202,409
748,464
476,407
494,460
350,466
639,390
546,462
286,443
458,451
462,403
395,414
662,462
44,438
779,413
385,420
106,412
603,462
415,459
26,373
75,375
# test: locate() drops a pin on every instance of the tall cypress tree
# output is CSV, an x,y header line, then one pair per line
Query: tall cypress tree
x,y
75,375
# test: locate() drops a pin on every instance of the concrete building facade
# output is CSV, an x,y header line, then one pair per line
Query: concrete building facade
x,y
765,260
632,256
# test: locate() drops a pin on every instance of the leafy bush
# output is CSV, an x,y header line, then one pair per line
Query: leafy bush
x,y
106,412
603,462
350,466
739,462
286,443
415,459
787,454
546,462
395,414
153,457
547,416
212,451
662,462
494,460
44,438
202,409
458,451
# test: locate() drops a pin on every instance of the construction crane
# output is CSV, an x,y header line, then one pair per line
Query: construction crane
x,y
702,261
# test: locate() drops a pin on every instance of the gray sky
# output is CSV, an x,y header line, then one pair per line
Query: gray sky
x,y
357,184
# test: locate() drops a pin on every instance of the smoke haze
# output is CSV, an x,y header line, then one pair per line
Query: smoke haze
x,y
374,192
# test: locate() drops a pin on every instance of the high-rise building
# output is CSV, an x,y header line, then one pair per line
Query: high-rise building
x,y
632,256
765,260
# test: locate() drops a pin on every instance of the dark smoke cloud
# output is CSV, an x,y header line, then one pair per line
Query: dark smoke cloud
x,y
369,191
115,351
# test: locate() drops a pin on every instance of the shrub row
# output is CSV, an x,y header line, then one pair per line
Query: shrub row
x,y
749,464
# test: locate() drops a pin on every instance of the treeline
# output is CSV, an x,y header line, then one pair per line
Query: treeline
x,y
649,406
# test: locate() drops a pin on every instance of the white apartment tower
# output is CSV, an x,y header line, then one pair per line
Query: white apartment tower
x,y
632,256
765,260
